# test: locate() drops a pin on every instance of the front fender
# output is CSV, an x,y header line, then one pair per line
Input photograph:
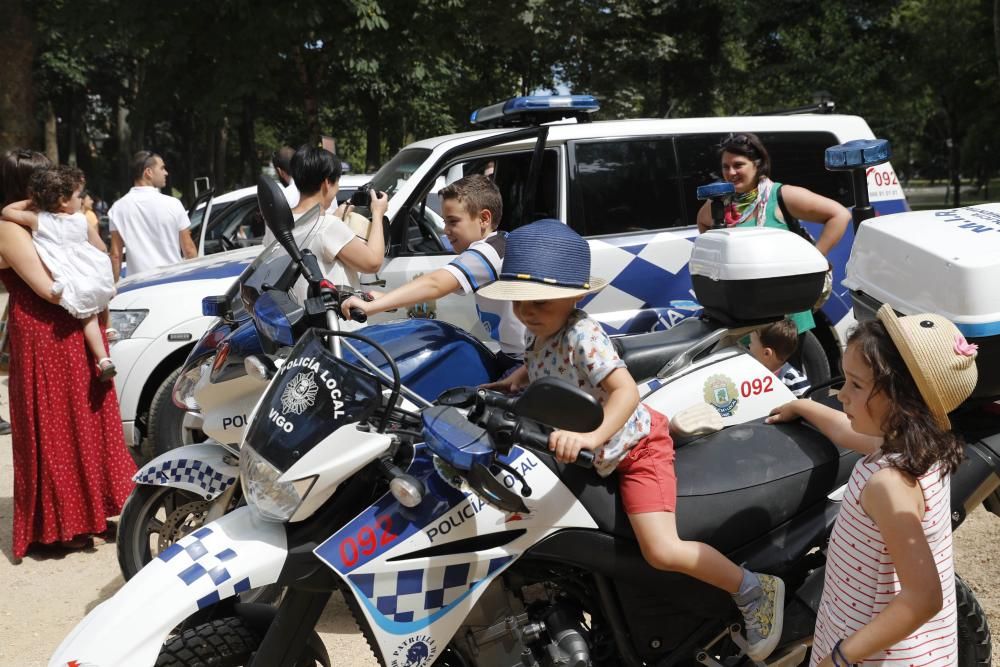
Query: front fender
x,y
207,469
238,552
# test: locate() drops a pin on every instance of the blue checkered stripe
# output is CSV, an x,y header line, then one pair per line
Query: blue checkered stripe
x,y
193,555
190,471
645,279
413,595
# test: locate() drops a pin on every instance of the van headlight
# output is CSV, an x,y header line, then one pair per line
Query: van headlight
x,y
123,323
274,500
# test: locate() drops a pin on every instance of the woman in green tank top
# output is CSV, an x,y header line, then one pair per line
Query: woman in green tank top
x,y
746,164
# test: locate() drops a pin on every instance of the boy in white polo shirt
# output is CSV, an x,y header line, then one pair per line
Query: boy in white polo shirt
x,y
471,208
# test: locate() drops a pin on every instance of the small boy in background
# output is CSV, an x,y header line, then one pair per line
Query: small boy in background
x,y
772,346
471,208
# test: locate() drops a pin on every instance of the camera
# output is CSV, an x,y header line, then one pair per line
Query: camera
x,y
363,196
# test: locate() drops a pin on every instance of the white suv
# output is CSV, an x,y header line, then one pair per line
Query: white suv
x,y
156,317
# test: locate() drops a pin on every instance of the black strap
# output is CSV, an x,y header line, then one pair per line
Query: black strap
x,y
791,221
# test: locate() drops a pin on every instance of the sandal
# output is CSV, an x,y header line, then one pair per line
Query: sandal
x,y
107,368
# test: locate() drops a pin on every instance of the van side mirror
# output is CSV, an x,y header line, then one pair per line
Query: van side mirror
x,y
561,405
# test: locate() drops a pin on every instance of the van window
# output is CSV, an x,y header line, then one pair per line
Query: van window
x,y
509,171
796,159
624,185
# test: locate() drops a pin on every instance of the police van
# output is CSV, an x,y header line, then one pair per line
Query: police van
x,y
627,186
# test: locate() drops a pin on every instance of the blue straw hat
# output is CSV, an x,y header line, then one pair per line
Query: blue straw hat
x,y
544,260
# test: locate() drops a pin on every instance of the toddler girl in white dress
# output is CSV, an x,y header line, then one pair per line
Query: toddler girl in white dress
x,y
71,250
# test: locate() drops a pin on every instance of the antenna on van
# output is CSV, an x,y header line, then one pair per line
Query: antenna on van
x,y
822,103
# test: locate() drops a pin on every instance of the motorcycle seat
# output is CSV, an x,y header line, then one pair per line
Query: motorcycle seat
x,y
645,354
732,486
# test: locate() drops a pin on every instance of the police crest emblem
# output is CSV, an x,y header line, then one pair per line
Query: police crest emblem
x,y
720,393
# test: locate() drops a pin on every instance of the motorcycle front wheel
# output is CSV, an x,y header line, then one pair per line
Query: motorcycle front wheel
x,y
227,642
153,518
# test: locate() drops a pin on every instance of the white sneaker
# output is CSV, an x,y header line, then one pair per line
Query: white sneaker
x,y
763,617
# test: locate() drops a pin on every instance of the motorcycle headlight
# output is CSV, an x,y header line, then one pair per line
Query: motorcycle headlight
x,y
274,500
183,393
123,323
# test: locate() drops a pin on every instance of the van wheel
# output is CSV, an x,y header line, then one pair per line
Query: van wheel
x,y
166,422
812,359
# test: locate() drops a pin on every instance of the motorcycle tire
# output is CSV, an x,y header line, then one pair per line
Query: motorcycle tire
x,y
975,646
225,642
145,511
166,422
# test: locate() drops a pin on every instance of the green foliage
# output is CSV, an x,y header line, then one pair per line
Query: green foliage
x,y
217,86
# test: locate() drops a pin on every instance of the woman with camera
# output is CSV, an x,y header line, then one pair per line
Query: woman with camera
x,y
342,254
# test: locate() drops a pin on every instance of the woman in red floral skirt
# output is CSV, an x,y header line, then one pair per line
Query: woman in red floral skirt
x,y
71,468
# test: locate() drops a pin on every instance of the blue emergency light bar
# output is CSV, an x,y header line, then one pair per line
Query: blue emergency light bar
x,y
714,190
857,153
535,109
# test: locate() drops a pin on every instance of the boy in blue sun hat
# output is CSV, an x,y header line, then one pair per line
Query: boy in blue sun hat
x,y
546,270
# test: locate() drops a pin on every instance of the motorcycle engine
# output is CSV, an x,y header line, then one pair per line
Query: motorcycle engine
x,y
502,632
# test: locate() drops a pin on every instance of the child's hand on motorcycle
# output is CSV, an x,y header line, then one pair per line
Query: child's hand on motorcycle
x,y
353,302
784,413
565,445
514,383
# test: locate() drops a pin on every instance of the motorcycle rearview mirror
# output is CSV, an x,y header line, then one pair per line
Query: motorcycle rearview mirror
x,y
721,194
559,404
277,215
457,397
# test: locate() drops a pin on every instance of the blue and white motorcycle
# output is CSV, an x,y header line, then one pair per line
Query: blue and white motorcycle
x,y
228,370
224,377
456,538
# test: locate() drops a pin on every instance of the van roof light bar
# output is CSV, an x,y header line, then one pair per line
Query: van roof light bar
x,y
535,110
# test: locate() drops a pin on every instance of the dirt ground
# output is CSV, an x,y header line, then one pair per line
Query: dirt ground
x,y
43,597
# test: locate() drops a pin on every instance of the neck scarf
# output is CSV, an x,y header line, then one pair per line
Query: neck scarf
x,y
753,203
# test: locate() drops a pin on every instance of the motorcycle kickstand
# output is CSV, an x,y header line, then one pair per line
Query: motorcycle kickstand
x,y
735,634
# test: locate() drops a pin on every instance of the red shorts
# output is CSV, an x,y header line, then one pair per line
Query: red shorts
x,y
646,478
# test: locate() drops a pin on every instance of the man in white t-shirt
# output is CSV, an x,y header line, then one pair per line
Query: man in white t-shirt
x,y
153,227
472,208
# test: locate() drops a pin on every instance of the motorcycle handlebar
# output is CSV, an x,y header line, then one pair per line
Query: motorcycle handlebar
x,y
584,458
358,315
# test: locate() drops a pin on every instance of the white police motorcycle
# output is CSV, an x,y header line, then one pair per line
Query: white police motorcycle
x,y
457,540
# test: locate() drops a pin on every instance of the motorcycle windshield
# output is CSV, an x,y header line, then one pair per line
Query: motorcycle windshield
x,y
313,394
273,267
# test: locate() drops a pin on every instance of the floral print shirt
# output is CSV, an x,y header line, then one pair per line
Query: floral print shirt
x,y
582,354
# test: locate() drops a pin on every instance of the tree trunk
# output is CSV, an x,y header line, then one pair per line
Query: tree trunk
x,y
221,148
373,133
51,133
249,166
310,100
123,134
996,31
18,126
71,133
954,163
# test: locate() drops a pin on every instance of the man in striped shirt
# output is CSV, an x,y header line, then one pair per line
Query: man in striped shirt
x,y
472,209
772,346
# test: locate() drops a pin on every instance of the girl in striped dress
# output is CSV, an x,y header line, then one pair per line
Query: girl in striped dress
x,y
903,375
